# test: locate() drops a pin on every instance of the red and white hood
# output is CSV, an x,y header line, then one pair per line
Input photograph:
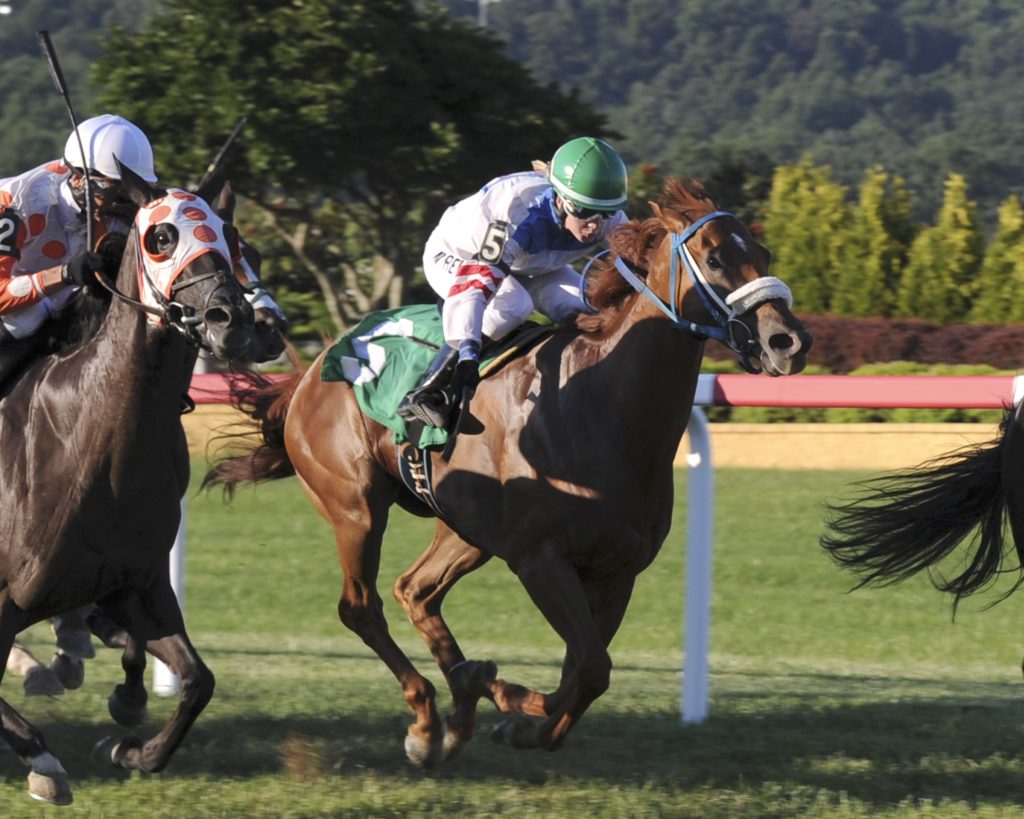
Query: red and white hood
x,y
200,231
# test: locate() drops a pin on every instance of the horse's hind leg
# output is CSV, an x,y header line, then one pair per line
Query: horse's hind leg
x,y
421,591
357,508
48,781
156,621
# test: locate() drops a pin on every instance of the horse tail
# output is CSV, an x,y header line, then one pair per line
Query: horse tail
x,y
912,519
257,452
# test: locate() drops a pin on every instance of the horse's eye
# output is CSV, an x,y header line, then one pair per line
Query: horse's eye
x,y
713,263
166,237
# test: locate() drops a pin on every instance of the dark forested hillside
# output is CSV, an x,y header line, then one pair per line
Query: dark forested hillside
x,y
924,87
33,120
726,88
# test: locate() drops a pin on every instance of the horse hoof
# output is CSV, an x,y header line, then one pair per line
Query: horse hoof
x,y
125,712
41,682
69,670
500,734
452,745
53,788
103,751
514,733
421,753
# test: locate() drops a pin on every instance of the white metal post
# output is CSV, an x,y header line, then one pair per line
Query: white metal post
x,y
165,681
699,526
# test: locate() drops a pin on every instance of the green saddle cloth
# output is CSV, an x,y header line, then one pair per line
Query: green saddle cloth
x,y
384,356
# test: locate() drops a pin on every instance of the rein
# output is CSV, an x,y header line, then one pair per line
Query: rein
x,y
197,232
179,316
727,328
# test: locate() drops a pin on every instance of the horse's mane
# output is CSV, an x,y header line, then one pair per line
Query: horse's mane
x,y
634,241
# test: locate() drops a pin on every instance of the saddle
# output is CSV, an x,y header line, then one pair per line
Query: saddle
x,y
386,355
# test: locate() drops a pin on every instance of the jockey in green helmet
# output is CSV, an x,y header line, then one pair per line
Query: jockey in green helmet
x,y
589,176
508,250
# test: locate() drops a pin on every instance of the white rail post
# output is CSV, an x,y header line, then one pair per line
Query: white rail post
x,y
165,681
699,526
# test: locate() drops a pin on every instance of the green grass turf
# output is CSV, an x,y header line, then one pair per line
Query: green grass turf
x,y
823,703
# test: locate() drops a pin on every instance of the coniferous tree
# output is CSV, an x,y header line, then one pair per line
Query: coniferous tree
x,y
1001,277
875,248
803,228
938,282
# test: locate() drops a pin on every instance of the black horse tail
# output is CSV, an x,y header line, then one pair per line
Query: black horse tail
x,y
912,519
256,453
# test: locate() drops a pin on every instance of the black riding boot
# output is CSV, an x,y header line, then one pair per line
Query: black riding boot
x,y
429,400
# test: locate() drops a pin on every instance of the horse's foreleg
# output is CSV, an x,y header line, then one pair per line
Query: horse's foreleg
x,y
127,703
421,591
157,623
47,781
554,585
74,646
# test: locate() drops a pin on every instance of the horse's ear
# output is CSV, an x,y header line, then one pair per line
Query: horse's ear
x,y
138,190
211,188
667,217
224,205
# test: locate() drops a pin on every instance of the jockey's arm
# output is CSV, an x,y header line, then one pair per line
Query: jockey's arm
x,y
255,292
19,291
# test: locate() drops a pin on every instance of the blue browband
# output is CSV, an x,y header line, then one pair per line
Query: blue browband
x,y
711,302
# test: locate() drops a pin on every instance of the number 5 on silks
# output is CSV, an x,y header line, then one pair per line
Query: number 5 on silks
x,y
494,242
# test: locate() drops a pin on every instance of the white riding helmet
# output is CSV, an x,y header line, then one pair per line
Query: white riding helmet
x,y
106,137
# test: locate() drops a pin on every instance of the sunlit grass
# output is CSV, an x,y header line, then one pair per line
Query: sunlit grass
x,y
823,703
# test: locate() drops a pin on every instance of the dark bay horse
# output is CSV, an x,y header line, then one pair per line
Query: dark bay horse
x,y
564,469
912,520
74,630
97,463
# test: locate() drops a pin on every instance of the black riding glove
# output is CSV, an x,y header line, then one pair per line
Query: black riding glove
x,y
111,248
467,375
80,269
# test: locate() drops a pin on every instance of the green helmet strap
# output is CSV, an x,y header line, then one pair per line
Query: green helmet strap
x,y
589,173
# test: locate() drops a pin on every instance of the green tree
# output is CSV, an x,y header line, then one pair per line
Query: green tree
x,y
939,280
366,120
804,229
1001,277
875,250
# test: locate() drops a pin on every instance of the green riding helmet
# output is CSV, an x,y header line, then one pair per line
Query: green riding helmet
x,y
589,174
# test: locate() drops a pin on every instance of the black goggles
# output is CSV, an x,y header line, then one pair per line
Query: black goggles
x,y
586,214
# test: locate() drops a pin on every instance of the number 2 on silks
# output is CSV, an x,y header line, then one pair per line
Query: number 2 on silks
x,y
9,223
494,242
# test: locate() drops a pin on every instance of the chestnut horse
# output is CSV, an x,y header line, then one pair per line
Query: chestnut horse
x,y
911,520
564,467
97,463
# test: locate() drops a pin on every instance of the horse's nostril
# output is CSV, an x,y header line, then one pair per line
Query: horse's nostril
x,y
217,315
781,341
